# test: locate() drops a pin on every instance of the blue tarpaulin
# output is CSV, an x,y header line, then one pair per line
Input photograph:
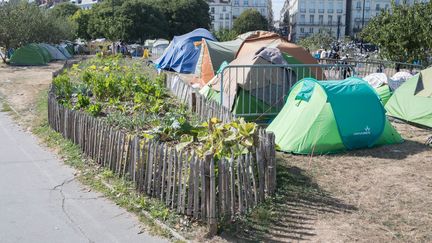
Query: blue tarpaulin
x,y
182,55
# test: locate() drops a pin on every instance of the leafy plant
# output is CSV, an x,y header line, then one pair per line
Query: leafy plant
x,y
94,109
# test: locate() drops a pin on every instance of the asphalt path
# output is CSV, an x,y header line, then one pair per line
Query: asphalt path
x,y
41,201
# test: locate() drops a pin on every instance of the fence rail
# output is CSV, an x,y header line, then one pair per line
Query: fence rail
x,y
364,68
204,189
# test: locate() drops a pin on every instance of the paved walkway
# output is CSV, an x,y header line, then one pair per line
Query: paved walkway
x,y
40,201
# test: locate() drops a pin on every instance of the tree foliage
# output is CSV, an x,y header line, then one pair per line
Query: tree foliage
x,y
404,34
22,22
317,41
137,20
64,9
250,20
225,35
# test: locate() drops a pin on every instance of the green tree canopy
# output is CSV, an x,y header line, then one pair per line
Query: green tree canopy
x,y
317,41
404,34
225,35
64,9
81,20
250,20
184,15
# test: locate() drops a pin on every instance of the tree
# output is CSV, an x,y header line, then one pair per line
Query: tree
x,y
64,10
225,35
184,15
132,20
403,34
317,41
22,22
81,20
250,20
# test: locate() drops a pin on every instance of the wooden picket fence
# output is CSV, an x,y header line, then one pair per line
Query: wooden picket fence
x,y
196,102
203,189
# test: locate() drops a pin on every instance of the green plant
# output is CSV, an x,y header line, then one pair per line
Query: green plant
x,y
83,102
94,109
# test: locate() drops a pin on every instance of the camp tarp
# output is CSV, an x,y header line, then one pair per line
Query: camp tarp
x,y
54,52
332,116
412,101
28,55
183,52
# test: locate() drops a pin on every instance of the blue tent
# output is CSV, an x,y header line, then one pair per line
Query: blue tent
x,y
182,54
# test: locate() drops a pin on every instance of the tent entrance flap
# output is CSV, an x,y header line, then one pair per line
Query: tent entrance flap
x,y
357,127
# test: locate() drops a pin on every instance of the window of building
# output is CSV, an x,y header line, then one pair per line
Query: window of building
x,y
301,30
359,5
386,6
302,19
330,19
311,19
339,19
377,7
212,10
321,7
246,2
339,7
221,16
321,19
311,30
367,5
236,2
224,9
227,16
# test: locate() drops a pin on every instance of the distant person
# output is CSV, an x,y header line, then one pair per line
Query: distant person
x,y
323,54
346,72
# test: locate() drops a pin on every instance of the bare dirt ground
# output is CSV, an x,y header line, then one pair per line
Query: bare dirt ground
x,y
20,87
382,194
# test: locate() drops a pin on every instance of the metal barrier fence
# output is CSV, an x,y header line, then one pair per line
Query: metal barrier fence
x,y
258,92
364,68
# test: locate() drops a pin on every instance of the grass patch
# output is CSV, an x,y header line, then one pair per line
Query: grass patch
x,y
119,190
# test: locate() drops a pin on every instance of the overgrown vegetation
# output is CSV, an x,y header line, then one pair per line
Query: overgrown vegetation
x,y
123,91
402,34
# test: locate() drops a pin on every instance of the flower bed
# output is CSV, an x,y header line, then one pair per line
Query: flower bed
x,y
123,117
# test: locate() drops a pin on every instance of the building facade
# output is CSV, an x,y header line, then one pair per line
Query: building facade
x,y
85,4
224,12
338,17
220,14
307,17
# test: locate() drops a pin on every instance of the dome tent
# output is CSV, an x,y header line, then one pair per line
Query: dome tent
x,y
54,52
28,55
332,116
380,81
182,54
412,101
45,53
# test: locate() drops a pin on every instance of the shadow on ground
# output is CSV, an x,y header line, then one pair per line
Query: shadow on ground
x,y
290,215
394,152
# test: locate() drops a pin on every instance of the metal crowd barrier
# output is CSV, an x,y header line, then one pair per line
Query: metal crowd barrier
x,y
364,68
259,92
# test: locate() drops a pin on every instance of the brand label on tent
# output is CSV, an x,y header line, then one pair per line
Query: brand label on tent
x,y
365,132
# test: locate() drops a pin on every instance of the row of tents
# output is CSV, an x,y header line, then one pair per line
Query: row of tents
x,y
40,54
314,115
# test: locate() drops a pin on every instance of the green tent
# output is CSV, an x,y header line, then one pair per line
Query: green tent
x,y
412,101
28,55
384,93
332,116
46,54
